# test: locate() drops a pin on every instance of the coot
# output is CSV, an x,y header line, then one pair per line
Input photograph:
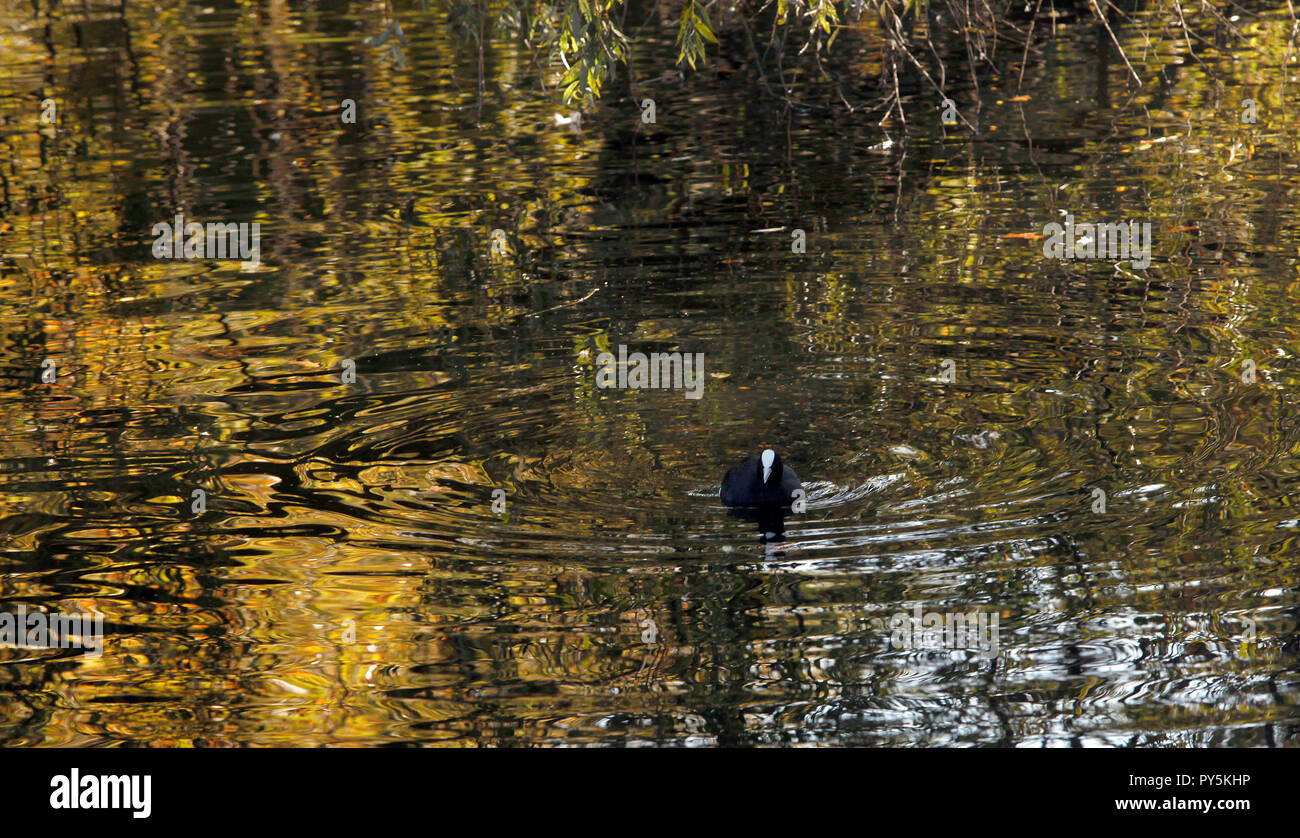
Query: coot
x,y
762,480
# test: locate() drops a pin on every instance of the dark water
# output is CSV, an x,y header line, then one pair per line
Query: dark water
x,y
350,581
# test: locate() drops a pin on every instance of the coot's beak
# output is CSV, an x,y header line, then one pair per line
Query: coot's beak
x,y
769,457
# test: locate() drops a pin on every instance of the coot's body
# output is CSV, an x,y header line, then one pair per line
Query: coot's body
x,y
761,481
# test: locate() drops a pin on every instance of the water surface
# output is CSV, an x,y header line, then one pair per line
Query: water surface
x,y
350,583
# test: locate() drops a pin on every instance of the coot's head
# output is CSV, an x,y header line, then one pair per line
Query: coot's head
x,y
770,468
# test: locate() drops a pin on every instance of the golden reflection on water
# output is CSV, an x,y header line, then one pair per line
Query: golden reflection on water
x,y
349,581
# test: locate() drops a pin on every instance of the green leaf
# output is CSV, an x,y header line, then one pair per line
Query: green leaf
x,y
702,27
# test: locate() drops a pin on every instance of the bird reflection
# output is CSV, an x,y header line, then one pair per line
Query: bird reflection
x,y
770,520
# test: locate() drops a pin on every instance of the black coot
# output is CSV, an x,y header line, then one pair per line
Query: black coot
x,y
760,481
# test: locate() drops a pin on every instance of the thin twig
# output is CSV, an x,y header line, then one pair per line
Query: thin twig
x,y
1097,10
589,295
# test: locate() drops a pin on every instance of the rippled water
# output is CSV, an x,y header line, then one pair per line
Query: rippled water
x,y
350,581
